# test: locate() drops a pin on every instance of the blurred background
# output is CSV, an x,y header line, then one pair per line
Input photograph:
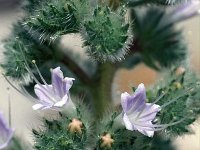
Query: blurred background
x,y
24,118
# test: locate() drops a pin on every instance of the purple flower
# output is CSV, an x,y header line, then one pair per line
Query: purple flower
x,y
185,11
55,95
6,133
138,115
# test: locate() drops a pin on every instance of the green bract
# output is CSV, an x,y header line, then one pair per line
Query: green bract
x,y
106,35
57,17
57,135
156,39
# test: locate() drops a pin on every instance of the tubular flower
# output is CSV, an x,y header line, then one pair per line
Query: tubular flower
x,y
6,133
138,115
186,11
54,95
50,96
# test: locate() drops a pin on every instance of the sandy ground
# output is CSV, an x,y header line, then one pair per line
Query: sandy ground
x,y
24,118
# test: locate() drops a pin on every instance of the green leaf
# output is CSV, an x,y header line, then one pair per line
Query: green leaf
x,y
156,38
106,35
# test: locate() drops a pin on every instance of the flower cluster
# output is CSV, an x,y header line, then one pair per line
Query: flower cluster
x,y
136,113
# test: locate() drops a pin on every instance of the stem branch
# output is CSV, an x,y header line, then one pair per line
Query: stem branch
x,y
76,69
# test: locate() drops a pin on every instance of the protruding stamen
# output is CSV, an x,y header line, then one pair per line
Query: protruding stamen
x,y
27,66
33,76
171,124
160,127
172,101
158,99
175,99
164,126
38,71
48,94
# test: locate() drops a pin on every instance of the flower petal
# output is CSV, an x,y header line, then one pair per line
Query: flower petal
x,y
127,123
149,112
38,106
134,102
147,133
44,94
57,81
125,100
68,82
139,97
145,128
62,102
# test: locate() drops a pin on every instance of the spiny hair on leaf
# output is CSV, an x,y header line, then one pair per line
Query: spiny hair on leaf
x,y
178,91
106,35
56,131
56,18
21,48
107,120
84,113
160,44
14,65
158,142
107,126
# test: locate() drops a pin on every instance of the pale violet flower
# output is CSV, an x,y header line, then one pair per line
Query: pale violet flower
x,y
180,13
186,10
54,95
137,114
50,96
6,133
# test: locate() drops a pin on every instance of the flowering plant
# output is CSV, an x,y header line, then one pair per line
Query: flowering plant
x,y
115,34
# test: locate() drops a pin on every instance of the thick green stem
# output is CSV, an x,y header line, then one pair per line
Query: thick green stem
x,y
101,89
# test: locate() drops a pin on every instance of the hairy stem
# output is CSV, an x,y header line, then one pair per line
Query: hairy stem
x,y
101,88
